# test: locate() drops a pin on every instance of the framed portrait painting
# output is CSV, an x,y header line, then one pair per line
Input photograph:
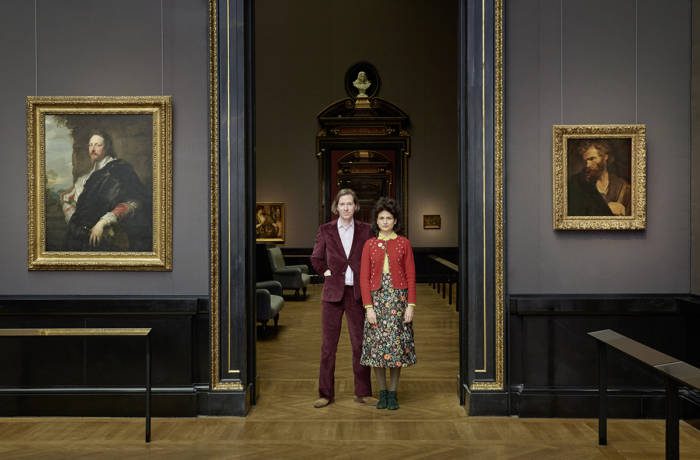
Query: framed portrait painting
x,y
431,221
599,177
99,183
269,222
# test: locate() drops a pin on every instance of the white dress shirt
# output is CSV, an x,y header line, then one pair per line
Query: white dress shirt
x,y
346,233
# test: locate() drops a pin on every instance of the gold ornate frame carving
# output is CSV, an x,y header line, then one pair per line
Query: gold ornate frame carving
x,y
125,112
627,145
215,325
498,382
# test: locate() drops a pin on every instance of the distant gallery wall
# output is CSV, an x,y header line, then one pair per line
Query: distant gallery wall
x,y
68,48
300,64
695,136
597,62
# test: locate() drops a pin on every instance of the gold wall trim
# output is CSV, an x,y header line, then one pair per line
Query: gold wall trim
x,y
483,183
499,172
228,182
214,184
214,195
498,181
76,332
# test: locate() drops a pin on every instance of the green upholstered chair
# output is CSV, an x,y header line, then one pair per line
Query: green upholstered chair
x,y
290,276
269,302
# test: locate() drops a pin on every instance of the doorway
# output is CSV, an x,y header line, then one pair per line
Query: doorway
x,y
300,65
480,201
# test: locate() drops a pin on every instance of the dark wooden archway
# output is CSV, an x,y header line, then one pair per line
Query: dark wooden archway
x,y
365,149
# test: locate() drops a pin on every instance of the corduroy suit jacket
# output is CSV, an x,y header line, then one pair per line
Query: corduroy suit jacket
x,y
328,253
401,266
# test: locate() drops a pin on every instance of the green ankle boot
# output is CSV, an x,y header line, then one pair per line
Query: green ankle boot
x,y
381,404
391,402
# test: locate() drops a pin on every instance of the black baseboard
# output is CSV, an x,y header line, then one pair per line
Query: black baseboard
x,y
224,403
583,403
122,402
486,403
571,403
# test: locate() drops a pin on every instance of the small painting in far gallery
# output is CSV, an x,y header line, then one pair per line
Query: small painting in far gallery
x,y
431,221
269,222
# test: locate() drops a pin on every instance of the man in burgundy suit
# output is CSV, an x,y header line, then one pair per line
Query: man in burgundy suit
x,y
336,256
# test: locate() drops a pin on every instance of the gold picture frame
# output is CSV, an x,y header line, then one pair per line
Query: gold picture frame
x,y
99,183
432,221
270,221
599,177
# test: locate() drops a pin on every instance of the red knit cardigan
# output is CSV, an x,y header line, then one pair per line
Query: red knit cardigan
x,y
401,266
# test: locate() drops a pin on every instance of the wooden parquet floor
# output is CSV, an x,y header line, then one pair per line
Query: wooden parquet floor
x,y
284,425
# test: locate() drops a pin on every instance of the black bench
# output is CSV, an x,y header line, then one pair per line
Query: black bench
x,y
446,272
674,371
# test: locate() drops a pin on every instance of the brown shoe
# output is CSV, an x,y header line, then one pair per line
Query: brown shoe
x,y
321,402
369,400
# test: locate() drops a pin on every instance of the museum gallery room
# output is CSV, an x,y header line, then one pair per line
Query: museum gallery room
x,y
239,213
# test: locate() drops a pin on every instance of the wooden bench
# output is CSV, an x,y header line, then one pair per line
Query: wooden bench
x,y
675,372
97,332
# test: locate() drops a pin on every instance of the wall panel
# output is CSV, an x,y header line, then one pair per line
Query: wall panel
x,y
583,62
130,47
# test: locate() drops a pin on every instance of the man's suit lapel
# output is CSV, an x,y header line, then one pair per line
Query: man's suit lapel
x,y
335,236
355,239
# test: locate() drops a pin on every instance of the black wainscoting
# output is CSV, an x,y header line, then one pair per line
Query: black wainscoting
x,y
552,362
89,376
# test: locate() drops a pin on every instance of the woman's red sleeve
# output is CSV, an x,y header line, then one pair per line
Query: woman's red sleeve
x,y
410,270
365,271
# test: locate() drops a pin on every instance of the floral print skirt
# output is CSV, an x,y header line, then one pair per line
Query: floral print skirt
x,y
389,342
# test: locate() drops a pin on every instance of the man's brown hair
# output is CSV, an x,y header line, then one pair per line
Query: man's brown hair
x,y
343,192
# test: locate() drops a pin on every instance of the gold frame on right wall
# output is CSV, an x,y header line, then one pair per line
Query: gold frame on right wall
x,y
580,154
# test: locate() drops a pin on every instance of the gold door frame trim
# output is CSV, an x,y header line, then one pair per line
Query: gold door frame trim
x,y
214,275
499,278
235,372
498,383
483,180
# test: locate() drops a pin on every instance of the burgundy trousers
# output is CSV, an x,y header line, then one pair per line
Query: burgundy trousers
x,y
331,321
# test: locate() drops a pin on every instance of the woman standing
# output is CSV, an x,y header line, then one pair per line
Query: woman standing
x,y
388,284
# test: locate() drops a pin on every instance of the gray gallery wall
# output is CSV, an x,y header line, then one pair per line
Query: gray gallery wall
x,y
586,62
107,47
304,47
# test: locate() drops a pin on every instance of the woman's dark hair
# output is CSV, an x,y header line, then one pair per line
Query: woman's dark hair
x,y
392,207
109,145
